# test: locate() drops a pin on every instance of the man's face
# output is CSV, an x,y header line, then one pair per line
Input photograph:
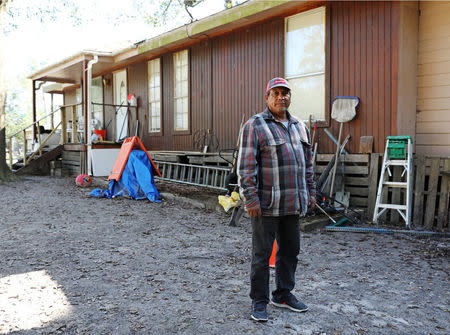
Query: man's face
x,y
278,100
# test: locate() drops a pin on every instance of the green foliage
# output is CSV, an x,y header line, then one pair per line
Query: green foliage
x,y
166,11
41,13
17,117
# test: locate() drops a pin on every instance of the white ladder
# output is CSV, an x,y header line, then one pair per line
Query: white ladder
x,y
407,163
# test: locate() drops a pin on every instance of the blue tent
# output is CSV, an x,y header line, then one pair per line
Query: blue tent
x,y
136,181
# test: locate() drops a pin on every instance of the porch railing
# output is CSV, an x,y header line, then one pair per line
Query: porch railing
x,y
117,130
29,154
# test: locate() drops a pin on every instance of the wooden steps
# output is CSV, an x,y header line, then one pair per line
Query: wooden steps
x,y
36,166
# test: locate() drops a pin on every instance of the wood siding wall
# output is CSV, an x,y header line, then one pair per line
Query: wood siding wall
x,y
201,88
433,81
109,111
242,63
362,65
137,85
70,97
228,75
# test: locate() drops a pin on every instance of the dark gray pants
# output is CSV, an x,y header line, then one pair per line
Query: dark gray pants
x,y
286,231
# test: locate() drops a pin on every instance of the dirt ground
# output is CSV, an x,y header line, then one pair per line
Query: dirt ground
x,y
71,264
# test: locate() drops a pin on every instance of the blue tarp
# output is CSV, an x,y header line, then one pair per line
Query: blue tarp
x,y
136,181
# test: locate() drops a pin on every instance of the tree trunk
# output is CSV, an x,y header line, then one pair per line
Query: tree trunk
x,y
5,172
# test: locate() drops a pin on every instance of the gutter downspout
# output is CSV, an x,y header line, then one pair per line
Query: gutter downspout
x,y
89,112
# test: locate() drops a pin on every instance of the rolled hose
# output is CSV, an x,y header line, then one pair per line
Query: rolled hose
x,y
385,231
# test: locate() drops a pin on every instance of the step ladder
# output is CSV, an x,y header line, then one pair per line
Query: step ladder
x,y
398,152
198,175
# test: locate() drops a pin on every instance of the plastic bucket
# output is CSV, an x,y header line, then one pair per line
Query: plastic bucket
x,y
101,133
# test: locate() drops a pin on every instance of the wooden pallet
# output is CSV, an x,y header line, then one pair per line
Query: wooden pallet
x,y
431,192
356,172
431,188
191,157
211,159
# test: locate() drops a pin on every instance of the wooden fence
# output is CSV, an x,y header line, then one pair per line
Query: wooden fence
x,y
431,192
431,187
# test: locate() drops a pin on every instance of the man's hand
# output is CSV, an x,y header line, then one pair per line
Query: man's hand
x,y
312,203
254,211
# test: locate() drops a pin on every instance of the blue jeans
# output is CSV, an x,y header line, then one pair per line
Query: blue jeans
x,y
286,230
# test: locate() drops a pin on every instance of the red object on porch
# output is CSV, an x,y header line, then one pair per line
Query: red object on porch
x,y
101,133
123,155
272,257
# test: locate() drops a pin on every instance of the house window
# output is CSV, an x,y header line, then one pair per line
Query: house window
x,y
181,90
305,63
154,94
97,98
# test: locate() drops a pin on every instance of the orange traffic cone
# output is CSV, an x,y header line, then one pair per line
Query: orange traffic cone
x,y
272,257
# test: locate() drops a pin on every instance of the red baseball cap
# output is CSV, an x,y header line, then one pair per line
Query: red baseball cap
x,y
277,82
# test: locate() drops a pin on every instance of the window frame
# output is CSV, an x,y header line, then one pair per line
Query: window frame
x,y
161,130
103,100
114,96
326,122
188,130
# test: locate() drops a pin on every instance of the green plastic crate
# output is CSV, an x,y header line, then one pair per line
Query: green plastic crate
x,y
397,147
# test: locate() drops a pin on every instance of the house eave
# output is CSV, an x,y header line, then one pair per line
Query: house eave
x,y
238,17
55,72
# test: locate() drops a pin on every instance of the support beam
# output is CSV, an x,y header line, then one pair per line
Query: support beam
x,y
59,80
33,87
74,125
63,125
85,105
52,119
85,109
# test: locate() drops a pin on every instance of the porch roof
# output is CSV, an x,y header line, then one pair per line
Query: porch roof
x,y
251,12
70,70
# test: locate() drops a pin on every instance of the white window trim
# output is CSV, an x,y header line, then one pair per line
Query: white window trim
x,y
311,74
306,75
96,108
175,97
150,102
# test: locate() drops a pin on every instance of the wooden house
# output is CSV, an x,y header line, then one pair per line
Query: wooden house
x,y
206,75
194,84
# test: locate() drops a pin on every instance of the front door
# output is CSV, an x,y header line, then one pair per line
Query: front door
x,y
120,99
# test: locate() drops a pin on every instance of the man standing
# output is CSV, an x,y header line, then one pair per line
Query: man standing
x,y
276,180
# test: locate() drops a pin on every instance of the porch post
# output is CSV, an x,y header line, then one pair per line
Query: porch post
x,y
63,126
33,87
85,105
52,121
85,109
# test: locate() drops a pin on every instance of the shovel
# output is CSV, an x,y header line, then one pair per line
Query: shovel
x,y
343,109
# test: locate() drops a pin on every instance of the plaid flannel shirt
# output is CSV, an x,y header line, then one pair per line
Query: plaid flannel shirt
x,y
275,165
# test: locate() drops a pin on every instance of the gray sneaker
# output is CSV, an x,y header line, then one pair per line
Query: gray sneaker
x,y
259,311
290,302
